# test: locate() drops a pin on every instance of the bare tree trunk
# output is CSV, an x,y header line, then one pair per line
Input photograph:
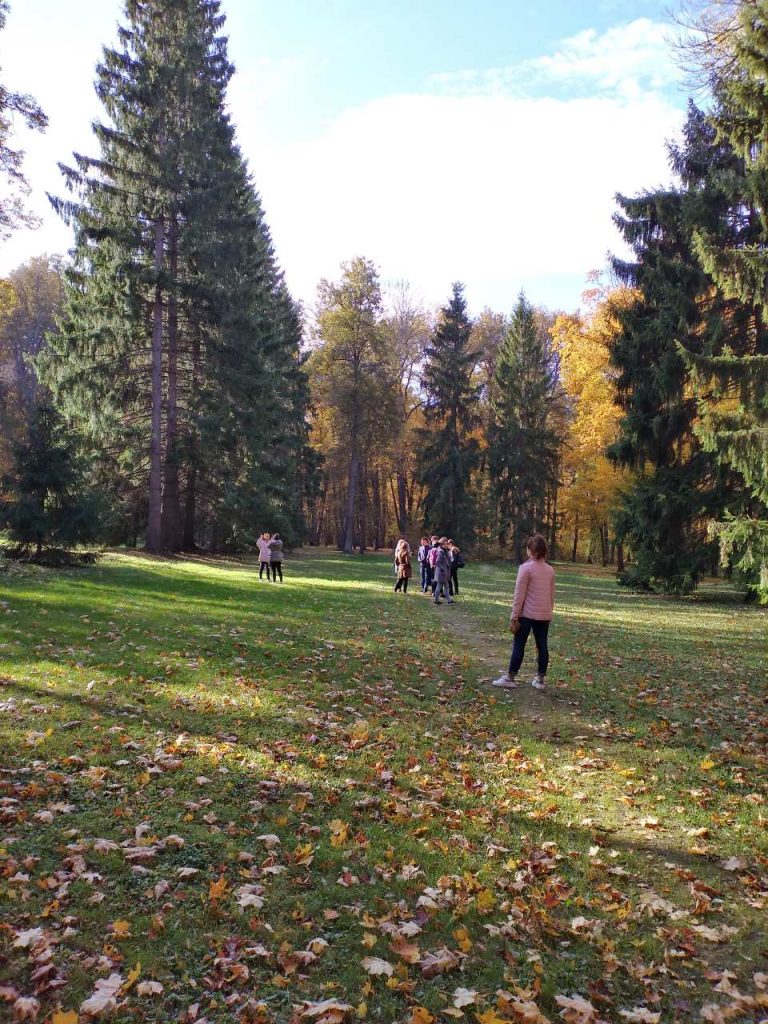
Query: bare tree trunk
x,y
377,517
190,502
574,549
402,502
619,557
351,505
154,541
189,539
171,525
363,538
553,545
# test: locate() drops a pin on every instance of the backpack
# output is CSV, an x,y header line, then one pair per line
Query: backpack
x,y
432,556
460,561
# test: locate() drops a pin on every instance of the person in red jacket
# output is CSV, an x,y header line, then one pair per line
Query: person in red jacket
x,y
532,610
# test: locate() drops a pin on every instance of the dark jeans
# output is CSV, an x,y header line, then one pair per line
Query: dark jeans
x,y
540,630
262,566
426,577
277,569
454,579
402,583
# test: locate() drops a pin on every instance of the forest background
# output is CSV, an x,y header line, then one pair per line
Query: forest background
x,y
161,387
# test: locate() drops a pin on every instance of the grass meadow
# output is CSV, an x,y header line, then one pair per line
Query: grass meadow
x,y
229,800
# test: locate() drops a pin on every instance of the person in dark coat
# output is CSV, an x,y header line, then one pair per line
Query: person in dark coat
x,y
276,557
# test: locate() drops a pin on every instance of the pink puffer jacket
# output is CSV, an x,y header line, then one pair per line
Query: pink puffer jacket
x,y
534,591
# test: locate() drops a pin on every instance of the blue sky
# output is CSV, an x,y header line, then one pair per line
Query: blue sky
x,y
477,140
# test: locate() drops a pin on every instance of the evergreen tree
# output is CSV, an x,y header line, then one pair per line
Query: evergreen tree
x,y
678,486
173,347
732,384
523,444
47,504
449,451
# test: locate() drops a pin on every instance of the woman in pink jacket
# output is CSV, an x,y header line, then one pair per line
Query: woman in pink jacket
x,y
532,610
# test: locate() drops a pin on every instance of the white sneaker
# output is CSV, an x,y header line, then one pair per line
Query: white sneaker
x,y
505,682
538,683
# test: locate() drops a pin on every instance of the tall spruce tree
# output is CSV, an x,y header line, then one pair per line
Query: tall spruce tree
x,y
173,348
523,444
678,486
449,452
732,383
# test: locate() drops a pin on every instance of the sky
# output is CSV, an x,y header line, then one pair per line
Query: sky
x,y
473,140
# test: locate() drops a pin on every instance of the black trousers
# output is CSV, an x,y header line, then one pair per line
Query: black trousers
x,y
540,630
454,579
402,583
262,566
277,570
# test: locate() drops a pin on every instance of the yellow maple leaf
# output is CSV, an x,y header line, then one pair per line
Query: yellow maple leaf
x,y
339,832
490,1017
462,937
121,929
217,889
707,764
133,977
485,901
65,1017
421,1015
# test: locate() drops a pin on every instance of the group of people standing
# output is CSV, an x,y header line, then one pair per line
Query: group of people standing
x,y
439,563
270,547
532,607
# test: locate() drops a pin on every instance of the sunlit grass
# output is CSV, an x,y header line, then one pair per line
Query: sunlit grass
x,y
328,699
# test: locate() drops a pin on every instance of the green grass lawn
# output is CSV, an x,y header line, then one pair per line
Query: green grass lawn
x,y
226,800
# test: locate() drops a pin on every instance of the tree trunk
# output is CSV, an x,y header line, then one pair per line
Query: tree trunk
x,y
402,502
189,535
377,517
553,545
349,513
363,537
190,502
575,547
171,528
154,541
619,557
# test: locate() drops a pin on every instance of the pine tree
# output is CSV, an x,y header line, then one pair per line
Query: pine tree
x,y
732,384
47,504
449,452
173,346
523,444
677,486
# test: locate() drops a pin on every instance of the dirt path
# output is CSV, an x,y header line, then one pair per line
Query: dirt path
x,y
554,711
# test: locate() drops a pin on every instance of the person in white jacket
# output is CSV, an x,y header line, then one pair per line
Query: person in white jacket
x,y
264,557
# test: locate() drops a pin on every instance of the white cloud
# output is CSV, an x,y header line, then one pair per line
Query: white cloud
x,y
488,182
630,58
489,188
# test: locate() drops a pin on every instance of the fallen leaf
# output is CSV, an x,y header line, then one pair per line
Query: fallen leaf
x,y
375,965
640,1015
104,997
464,997
576,1009
146,988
